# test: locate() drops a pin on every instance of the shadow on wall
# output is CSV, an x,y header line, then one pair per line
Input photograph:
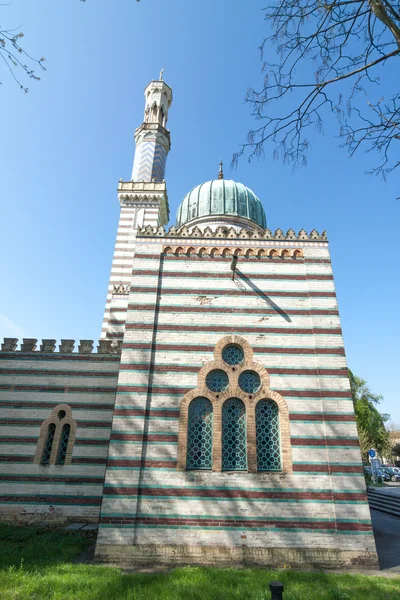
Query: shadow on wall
x,y
260,293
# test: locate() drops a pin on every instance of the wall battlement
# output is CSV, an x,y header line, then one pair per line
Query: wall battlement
x,y
65,347
225,232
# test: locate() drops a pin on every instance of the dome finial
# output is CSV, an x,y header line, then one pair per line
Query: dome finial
x,y
221,173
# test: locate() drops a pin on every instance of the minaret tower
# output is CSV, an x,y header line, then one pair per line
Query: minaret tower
x,y
143,201
152,138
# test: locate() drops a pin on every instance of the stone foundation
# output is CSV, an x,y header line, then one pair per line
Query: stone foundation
x,y
225,556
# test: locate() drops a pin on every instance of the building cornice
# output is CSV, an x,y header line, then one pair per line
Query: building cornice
x,y
145,192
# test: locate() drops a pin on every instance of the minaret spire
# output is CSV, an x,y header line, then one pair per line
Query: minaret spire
x,y
221,172
152,138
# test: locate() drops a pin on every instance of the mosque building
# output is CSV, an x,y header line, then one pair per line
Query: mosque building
x,y
214,424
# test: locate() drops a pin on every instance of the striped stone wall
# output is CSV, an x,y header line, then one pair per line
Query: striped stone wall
x,y
32,384
132,216
179,307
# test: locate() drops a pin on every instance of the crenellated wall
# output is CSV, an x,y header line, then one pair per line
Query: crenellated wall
x,y
38,383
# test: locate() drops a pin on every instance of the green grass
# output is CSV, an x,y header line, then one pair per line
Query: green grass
x,y
35,564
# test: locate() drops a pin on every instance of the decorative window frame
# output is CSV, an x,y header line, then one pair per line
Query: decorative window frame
x,y
250,401
59,423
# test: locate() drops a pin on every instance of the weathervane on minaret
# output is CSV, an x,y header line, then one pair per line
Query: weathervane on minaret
x,y
161,74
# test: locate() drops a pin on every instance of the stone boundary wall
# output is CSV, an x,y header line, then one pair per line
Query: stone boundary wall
x,y
33,383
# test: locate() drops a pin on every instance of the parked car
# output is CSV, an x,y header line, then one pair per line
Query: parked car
x,y
393,472
380,473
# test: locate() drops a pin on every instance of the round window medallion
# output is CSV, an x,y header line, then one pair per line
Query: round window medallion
x,y
217,380
249,382
233,354
61,414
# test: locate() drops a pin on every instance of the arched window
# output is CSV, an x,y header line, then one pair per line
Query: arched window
x,y
49,444
62,449
234,435
200,433
267,436
56,438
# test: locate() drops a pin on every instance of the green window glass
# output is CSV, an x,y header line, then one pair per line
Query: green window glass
x,y
49,444
234,435
200,432
62,449
250,382
267,436
217,380
233,354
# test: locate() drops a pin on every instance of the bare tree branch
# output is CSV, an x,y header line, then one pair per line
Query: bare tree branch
x,y
14,56
18,61
330,57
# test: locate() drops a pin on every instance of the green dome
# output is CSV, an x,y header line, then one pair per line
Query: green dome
x,y
221,197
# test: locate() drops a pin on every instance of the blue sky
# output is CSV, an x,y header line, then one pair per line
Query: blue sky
x,y
68,141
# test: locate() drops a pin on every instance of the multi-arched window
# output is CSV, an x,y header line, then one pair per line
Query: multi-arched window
x,y
233,421
56,438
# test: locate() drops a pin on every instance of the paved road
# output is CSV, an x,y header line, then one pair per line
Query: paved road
x,y
390,488
387,539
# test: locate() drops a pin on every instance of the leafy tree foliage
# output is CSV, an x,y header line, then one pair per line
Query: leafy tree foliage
x,y
331,55
396,449
370,422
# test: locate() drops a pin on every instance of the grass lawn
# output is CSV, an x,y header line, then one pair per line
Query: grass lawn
x,y
35,564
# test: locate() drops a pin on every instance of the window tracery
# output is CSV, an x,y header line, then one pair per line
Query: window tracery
x,y
199,446
249,382
56,437
234,455
217,380
233,354
49,444
267,436
232,420
63,447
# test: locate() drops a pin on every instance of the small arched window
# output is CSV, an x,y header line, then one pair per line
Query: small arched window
x,y
200,434
62,449
267,436
49,444
56,438
234,455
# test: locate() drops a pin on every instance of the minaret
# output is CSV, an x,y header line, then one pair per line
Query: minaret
x,y
152,138
143,201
